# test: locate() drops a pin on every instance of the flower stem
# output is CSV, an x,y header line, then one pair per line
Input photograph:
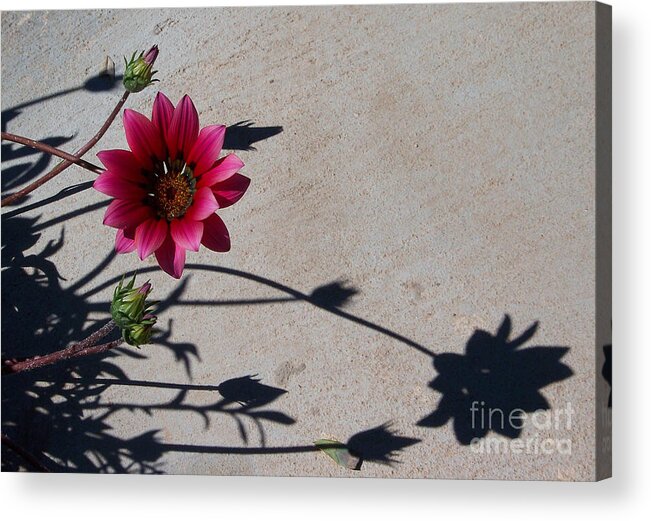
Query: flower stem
x,y
85,347
11,199
98,349
51,150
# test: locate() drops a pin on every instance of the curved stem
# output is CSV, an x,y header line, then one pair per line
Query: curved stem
x,y
11,199
85,347
51,150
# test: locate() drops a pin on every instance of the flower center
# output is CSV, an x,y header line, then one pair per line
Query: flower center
x,y
172,191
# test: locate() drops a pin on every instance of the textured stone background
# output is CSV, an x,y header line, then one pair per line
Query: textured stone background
x,y
437,159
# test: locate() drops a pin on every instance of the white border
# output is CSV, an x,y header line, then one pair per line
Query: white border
x,y
27,496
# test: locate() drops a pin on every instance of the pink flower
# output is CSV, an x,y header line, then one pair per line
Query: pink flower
x,y
167,188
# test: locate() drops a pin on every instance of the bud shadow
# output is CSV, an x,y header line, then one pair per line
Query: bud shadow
x,y
242,135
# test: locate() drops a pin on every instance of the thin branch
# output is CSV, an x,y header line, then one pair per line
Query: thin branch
x,y
51,150
85,347
11,199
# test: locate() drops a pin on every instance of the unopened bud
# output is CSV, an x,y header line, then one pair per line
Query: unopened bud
x,y
151,55
132,312
138,334
138,72
145,289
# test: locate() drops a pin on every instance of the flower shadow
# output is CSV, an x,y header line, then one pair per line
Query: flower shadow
x,y
494,383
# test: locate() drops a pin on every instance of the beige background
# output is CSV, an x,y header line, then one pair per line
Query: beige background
x,y
439,159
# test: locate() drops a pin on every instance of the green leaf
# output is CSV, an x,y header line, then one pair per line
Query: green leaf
x,y
339,453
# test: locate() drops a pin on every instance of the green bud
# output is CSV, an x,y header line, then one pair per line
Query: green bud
x,y
138,71
132,312
139,334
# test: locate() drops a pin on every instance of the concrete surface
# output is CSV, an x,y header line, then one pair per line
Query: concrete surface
x,y
437,160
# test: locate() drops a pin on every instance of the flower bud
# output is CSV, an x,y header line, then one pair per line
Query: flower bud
x,y
138,71
131,312
139,334
151,55
145,289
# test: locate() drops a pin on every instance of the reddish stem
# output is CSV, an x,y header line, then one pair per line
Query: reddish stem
x,y
11,199
98,349
86,346
51,150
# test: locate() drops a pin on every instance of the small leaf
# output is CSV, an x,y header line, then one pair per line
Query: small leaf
x,y
339,453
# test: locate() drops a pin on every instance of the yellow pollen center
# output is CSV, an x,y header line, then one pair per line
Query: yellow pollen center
x,y
172,195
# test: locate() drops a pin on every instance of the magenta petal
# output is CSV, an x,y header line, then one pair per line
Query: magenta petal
x,y
161,114
221,170
171,258
126,214
150,236
183,130
187,233
207,148
230,191
203,205
143,138
122,163
215,235
124,244
114,185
